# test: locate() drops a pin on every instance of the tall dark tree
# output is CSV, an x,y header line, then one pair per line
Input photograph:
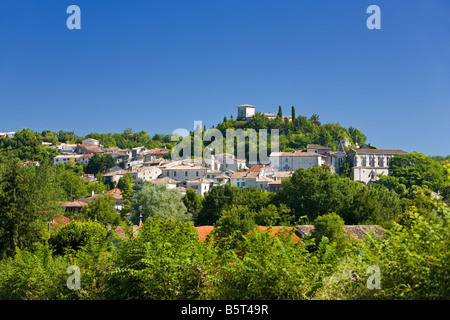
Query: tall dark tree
x,y
293,114
99,163
28,197
280,112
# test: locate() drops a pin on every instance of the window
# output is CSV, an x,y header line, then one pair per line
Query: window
x,y
174,173
286,160
185,173
196,173
207,176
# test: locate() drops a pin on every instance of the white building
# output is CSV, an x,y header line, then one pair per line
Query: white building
x,y
66,148
170,183
229,162
368,163
291,161
145,173
184,172
7,134
201,186
317,148
245,112
250,179
91,142
338,158
78,158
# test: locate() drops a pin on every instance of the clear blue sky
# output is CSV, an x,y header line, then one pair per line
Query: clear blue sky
x,y
161,65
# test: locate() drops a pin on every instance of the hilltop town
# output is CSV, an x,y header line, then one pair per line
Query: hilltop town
x,y
152,165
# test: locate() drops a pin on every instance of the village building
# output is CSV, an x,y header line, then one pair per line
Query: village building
x,y
228,161
90,142
145,173
367,163
211,174
221,180
316,148
113,176
201,186
29,164
337,158
87,149
184,172
246,112
66,148
170,183
154,154
7,134
291,161
78,158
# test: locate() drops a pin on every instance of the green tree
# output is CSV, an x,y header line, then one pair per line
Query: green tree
x,y
163,262
76,234
216,200
417,169
236,222
193,202
329,225
125,184
293,114
102,210
99,163
28,199
315,191
280,112
358,138
151,201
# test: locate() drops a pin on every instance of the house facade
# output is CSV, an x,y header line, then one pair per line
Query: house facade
x,y
78,158
291,161
184,172
368,163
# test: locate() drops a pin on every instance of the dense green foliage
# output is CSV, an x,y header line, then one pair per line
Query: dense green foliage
x,y
164,258
74,235
315,191
28,199
151,201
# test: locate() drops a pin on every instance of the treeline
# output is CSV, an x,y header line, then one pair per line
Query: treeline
x,y
166,261
298,133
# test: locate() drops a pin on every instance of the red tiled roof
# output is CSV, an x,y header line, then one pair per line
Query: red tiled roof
x,y
115,191
91,148
258,168
204,231
74,204
380,151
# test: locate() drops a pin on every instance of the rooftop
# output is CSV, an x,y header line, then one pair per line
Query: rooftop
x,y
380,151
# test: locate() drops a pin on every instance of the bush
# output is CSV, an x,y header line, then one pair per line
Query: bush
x,y
76,234
331,226
162,263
